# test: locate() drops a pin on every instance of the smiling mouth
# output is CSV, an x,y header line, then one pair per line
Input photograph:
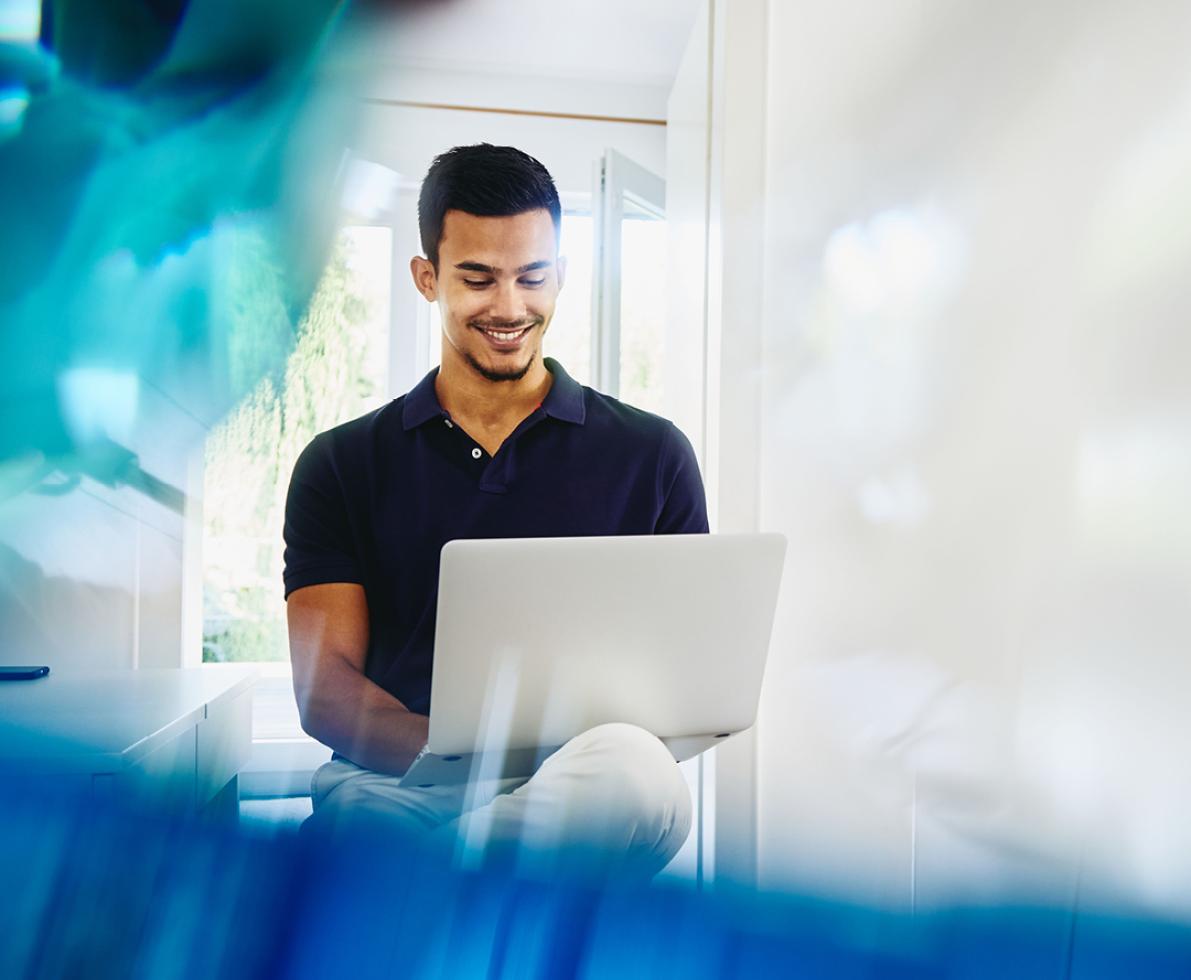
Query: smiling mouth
x,y
505,339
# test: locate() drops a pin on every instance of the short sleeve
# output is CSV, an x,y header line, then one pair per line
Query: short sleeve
x,y
684,504
319,545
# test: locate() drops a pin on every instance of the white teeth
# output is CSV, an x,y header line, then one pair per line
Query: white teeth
x,y
506,335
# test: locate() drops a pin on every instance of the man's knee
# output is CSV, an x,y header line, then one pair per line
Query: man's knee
x,y
630,775
346,796
345,804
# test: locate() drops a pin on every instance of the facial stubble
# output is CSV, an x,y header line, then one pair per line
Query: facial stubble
x,y
497,376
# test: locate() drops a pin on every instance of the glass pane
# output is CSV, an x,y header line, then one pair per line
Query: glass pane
x,y
338,370
435,349
643,291
569,338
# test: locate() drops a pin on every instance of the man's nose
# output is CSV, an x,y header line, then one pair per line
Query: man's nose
x,y
507,303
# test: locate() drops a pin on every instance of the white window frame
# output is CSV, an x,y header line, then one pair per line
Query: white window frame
x,y
616,178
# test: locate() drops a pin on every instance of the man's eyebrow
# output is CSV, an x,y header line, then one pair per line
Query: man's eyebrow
x,y
491,270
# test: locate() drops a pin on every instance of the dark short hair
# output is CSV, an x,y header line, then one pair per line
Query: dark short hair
x,y
485,180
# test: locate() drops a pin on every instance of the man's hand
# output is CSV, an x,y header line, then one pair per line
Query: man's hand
x,y
339,706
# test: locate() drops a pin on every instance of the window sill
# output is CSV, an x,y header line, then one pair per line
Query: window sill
x,y
281,767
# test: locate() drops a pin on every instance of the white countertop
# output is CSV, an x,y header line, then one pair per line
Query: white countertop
x,y
105,720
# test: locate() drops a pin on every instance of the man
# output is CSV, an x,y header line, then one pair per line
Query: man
x,y
497,442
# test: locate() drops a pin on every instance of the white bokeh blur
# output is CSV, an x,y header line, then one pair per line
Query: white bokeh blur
x,y
977,436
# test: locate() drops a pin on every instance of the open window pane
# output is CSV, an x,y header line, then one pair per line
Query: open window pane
x,y
630,300
643,295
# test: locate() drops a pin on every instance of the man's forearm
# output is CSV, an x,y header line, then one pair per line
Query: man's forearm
x,y
363,722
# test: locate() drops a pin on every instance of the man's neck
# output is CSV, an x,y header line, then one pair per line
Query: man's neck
x,y
494,405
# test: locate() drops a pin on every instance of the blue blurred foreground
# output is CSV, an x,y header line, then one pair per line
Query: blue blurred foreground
x,y
104,891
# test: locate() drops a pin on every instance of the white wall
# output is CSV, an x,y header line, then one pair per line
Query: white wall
x,y
93,577
620,45
688,122
407,139
976,427
715,207
687,141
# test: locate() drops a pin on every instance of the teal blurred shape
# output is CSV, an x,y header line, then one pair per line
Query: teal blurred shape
x,y
168,202
115,42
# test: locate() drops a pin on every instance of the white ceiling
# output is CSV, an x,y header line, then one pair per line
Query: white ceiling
x,y
628,41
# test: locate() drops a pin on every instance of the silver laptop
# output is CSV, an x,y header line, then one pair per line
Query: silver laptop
x,y
540,639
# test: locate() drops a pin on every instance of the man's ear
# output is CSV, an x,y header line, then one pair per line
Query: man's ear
x,y
425,278
561,265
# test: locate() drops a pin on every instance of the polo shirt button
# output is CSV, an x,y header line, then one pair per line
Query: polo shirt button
x,y
477,453
449,425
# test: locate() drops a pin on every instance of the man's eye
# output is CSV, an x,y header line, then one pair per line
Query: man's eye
x,y
475,283
532,282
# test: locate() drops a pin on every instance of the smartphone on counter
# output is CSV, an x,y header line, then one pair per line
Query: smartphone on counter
x,y
22,673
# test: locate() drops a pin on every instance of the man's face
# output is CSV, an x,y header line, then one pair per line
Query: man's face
x,y
496,286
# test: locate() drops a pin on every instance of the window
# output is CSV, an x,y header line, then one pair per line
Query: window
x,y
643,298
631,266
338,369
569,338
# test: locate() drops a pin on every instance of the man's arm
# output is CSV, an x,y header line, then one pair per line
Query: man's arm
x,y
339,706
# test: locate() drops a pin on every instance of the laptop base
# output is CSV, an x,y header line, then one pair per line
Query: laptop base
x,y
431,769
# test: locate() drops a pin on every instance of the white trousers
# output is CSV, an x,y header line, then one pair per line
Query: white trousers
x,y
611,800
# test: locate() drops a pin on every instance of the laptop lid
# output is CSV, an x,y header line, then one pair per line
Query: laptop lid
x,y
539,639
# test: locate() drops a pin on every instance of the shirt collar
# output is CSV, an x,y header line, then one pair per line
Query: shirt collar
x,y
421,404
563,401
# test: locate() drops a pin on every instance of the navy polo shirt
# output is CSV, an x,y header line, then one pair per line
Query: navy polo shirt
x,y
374,500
